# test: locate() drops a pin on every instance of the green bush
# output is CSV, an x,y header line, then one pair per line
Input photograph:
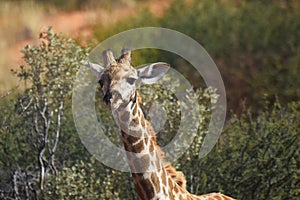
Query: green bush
x,y
36,119
81,181
256,158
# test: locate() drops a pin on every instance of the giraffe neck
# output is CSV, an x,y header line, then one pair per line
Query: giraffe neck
x,y
153,178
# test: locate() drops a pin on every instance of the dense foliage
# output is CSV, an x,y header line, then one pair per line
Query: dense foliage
x,y
32,124
257,157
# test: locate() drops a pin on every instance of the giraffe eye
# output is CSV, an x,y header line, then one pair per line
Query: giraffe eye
x,y
131,80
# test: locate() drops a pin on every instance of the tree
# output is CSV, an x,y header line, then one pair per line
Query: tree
x,y
47,75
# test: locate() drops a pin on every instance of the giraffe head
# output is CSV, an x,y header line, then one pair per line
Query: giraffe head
x,y
119,79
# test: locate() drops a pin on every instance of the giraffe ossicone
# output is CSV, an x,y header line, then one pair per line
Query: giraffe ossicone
x,y
153,177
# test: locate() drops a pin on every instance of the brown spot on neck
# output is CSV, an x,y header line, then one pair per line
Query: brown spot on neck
x,y
143,187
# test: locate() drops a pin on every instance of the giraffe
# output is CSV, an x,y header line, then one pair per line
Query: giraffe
x,y
153,177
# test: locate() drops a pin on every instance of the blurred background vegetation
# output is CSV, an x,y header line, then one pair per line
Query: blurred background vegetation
x,y
255,45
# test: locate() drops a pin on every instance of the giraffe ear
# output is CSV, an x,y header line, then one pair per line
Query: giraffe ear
x,y
95,68
153,72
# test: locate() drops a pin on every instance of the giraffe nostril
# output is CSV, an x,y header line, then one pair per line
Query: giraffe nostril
x,y
107,97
